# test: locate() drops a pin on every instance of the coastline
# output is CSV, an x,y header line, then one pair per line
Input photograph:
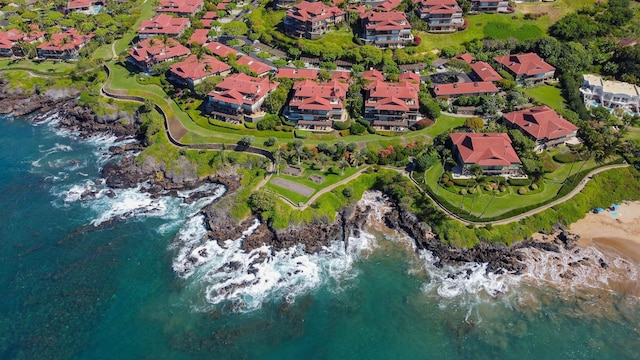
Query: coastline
x,y
620,233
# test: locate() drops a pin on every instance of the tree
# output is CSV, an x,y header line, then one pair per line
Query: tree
x,y
235,28
297,146
347,192
457,66
271,141
425,161
261,201
246,141
474,123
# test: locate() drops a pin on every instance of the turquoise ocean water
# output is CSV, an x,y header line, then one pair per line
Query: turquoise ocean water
x,y
75,291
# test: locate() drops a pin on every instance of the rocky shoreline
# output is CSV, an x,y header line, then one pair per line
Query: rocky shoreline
x,y
129,173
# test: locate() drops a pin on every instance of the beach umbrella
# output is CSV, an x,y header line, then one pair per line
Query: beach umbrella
x,y
599,210
615,207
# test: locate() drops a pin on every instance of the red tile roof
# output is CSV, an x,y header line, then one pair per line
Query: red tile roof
x,y
439,7
180,6
8,38
385,21
163,24
466,57
541,123
525,64
256,66
79,4
220,49
310,95
67,40
210,15
488,149
195,70
153,50
484,87
292,73
241,89
485,72
313,11
343,76
388,5
410,77
373,75
392,96
359,9
199,36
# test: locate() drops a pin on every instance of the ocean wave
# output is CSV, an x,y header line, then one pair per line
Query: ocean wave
x,y
224,273
463,280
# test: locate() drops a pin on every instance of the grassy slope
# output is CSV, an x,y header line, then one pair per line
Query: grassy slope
x,y
548,95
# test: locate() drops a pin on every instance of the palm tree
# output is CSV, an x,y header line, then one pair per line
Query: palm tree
x,y
576,152
446,158
486,207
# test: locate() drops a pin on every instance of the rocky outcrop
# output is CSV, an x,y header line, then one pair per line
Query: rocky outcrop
x,y
498,257
83,120
18,102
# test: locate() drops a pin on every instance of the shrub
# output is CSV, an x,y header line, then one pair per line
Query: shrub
x,y
534,186
347,192
565,157
472,190
449,183
445,179
520,182
488,187
463,192
522,190
503,188
417,40
342,125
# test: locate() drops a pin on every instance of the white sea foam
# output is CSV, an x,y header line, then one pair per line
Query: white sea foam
x,y
226,273
467,279
577,268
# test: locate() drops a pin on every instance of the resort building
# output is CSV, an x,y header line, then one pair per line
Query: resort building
x,y
239,97
65,45
482,71
88,7
466,57
208,18
316,106
527,68
391,106
152,51
220,50
180,7
163,24
295,73
257,67
610,94
387,5
493,152
11,40
386,29
199,36
489,5
543,125
452,91
441,15
192,71
310,20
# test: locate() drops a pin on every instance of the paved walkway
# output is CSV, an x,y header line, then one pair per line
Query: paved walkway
x,y
509,220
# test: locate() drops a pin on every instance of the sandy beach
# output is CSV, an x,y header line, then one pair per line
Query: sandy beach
x,y
606,231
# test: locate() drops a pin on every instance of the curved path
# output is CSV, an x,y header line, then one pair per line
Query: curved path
x,y
519,217
174,131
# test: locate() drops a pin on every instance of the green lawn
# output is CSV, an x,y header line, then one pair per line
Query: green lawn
x,y
497,26
329,179
548,95
47,67
506,201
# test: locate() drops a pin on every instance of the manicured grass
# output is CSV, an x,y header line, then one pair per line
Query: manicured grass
x,y
502,202
548,95
47,67
555,9
497,26
325,207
